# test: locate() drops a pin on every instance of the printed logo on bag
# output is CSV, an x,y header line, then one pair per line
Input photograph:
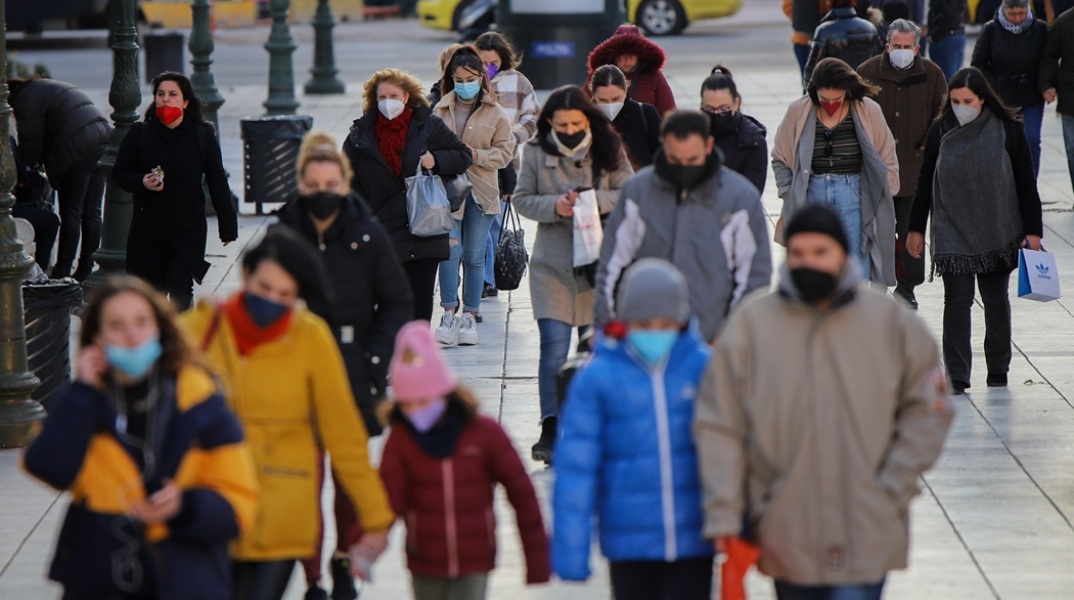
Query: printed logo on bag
x,y
1042,272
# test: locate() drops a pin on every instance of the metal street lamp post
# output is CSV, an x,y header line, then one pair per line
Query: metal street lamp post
x,y
124,96
18,412
280,46
201,48
323,80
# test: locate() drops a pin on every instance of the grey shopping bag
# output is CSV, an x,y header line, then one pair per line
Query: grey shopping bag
x,y
427,205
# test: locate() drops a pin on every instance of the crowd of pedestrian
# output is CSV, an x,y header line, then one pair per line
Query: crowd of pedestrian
x,y
196,446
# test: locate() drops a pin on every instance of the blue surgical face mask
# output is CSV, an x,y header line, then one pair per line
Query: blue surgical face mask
x,y
653,345
134,362
424,419
263,311
467,90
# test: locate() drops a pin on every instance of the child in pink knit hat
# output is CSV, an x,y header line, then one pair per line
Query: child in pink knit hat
x,y
440,466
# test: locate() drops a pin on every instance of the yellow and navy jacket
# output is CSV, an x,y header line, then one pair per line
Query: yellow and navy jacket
x,y
101,549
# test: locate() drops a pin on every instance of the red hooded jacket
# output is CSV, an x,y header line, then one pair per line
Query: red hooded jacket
x,y
646,84
447,503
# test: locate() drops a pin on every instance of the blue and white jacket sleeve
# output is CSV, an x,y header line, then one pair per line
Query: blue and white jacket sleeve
x,y
578,463
749,257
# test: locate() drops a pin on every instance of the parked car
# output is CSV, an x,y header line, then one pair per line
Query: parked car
x,y
654,17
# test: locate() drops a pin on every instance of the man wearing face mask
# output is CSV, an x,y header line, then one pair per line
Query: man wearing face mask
x,y
694,212
829,397
912,93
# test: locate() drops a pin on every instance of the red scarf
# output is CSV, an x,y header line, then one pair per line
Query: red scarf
x,y
391,138
248,335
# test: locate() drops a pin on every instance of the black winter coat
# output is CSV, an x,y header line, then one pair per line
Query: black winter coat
x,y
1057,63
947,18
843,35
1012,62
371,295
744,149
173,220
639,126
58,125
386,194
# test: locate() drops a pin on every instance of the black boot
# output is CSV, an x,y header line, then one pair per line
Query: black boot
x,y
342,580
545,446
315,593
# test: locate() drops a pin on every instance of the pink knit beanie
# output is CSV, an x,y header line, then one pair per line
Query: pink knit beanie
x,y
418,370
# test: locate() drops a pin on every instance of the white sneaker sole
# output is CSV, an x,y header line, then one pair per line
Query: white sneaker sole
x,y
446,340
466,340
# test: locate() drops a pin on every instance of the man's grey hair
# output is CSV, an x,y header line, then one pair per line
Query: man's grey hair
x,y
904,26
1015,3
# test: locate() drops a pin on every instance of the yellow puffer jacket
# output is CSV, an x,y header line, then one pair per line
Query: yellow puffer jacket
x,y
288,393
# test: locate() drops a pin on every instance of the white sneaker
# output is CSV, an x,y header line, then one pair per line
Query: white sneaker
x,y
448,332
467,330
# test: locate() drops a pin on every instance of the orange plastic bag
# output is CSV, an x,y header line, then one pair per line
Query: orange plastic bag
x,y
741,555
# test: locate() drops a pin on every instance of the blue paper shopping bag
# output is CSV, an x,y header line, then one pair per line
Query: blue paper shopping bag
x,y
1038,278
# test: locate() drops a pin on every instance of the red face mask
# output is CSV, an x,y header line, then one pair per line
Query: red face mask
x,y
831,107
169,114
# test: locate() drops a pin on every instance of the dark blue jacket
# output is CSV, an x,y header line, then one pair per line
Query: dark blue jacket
x,y
627,456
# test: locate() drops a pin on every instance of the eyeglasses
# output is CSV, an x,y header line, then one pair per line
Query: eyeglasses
x,y
723,110
829,147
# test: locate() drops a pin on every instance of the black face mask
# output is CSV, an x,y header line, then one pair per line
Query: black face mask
x,y
685,176
813,285
724,122
571,141
322,204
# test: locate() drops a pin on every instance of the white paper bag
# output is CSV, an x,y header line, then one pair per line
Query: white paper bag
x,y
588,233
1038,278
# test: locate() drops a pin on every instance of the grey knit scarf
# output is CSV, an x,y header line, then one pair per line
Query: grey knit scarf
x,y
976,224
1011,27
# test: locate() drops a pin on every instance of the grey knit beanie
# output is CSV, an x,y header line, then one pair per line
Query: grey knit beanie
x,y
652,288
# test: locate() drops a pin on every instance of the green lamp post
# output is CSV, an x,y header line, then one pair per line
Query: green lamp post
x,y
323,80
201,48
124,96
280,46
18,412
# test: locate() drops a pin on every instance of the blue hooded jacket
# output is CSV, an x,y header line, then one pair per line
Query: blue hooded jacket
x,y
626,454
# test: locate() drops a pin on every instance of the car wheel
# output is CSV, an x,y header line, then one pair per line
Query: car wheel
x,y
457,15
661,17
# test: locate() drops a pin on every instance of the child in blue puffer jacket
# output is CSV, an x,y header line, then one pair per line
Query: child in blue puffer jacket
x,y
626,453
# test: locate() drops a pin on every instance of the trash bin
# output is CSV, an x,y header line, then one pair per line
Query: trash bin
x,y
163,52
556,36
270,151
47,310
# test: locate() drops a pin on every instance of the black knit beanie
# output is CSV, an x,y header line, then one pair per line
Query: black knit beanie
x,y
817,218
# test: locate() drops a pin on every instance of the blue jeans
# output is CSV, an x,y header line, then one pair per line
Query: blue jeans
x,y
469,248
790,591
555,348
842,193
949,53
1068,141
801,53
490,245
1033,119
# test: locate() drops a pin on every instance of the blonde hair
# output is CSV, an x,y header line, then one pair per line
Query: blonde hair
x,y
397,77
319,146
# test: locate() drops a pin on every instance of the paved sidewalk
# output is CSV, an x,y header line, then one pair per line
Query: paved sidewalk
x,y
995,518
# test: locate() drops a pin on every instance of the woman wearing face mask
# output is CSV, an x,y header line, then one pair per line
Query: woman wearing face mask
x,y
441,465
371,302
166,242
641,61
834,148
740,137
287,383
575,148
977,181
469,109
638,124
160,477
396,133
1009,52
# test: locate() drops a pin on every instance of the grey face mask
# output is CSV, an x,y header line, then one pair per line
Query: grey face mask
x,y
965,114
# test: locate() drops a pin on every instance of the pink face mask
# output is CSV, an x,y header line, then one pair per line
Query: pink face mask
x,y
423,419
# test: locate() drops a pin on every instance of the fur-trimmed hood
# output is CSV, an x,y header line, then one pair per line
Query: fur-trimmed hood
x,y
628,39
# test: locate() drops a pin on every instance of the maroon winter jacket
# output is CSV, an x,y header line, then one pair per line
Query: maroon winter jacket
x,y
447,503
646,84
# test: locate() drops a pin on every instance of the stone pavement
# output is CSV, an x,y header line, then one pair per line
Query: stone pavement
x,y
995,518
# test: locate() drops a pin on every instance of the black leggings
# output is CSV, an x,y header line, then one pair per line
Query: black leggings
x,y
260,580
80,195
684,579
422,275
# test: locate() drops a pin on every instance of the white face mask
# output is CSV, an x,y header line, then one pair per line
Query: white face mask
x,y
965,114
390,108
901,59
612,109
